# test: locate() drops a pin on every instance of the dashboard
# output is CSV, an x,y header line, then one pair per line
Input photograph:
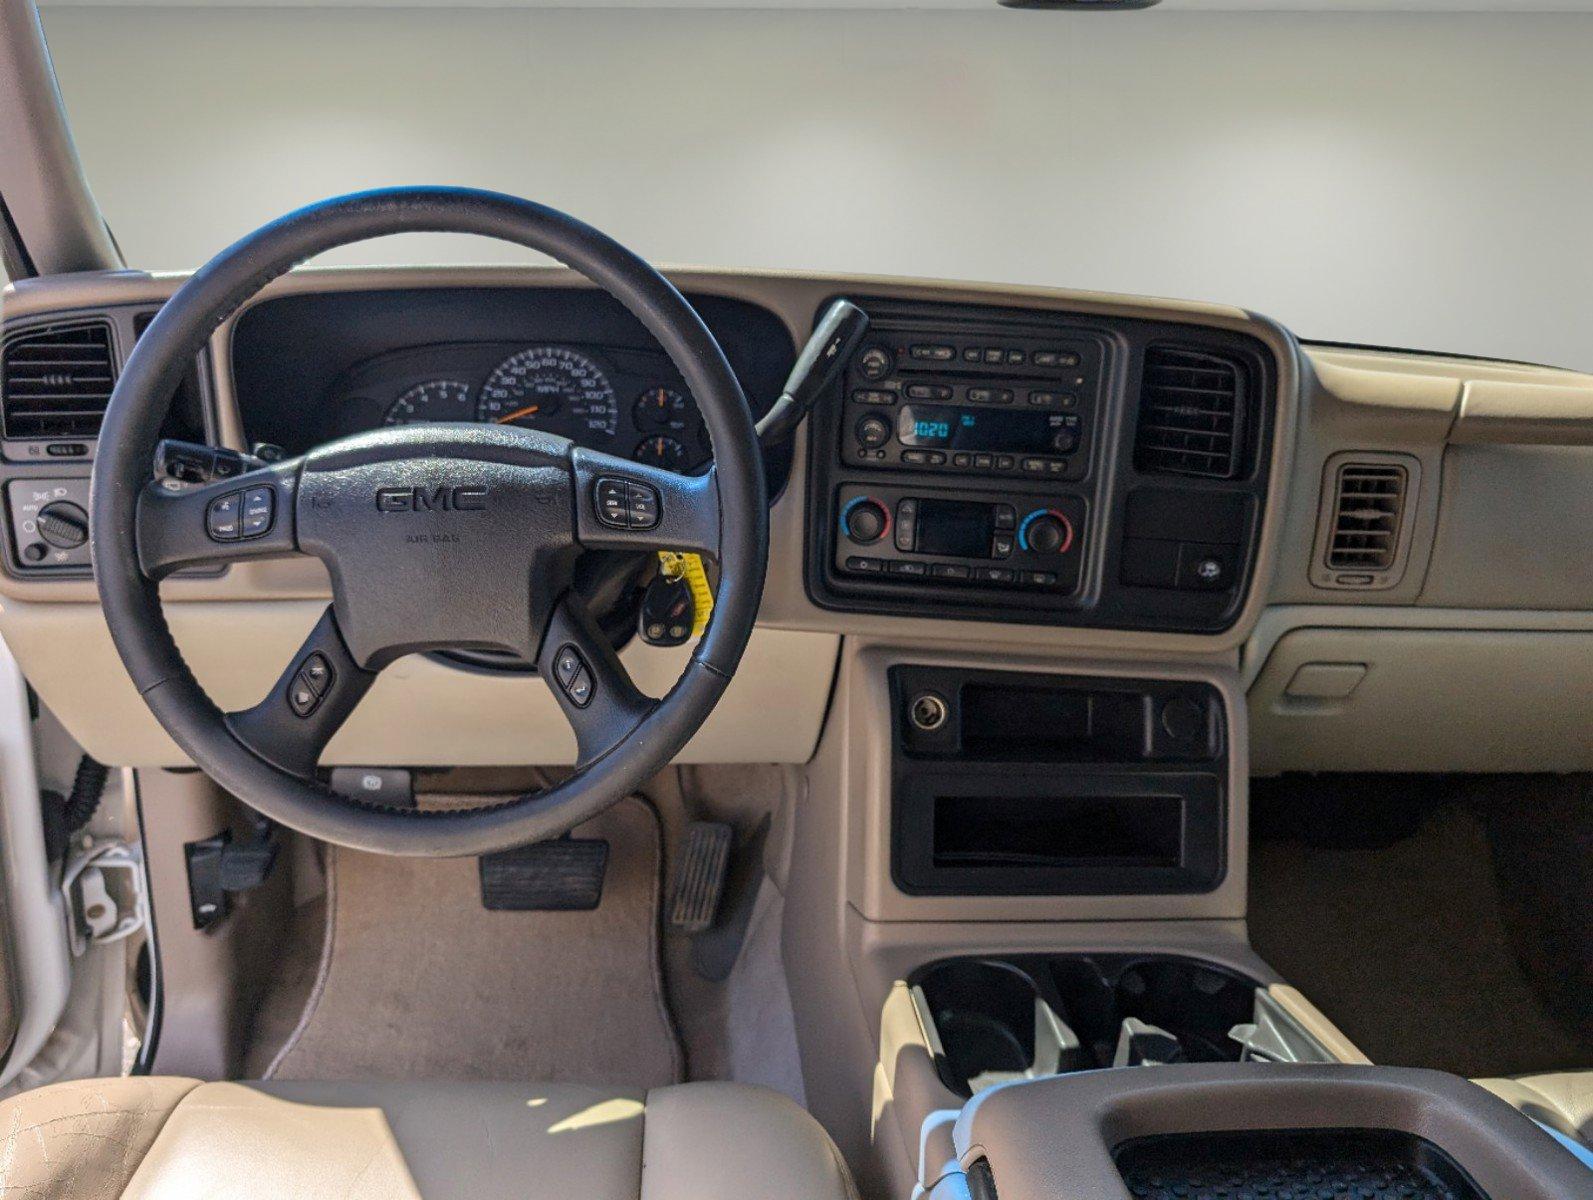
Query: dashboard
x,y
1018,475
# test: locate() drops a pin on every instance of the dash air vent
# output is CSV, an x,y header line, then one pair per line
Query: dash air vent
x,y
1364,530
55,381
1191,413
1366,517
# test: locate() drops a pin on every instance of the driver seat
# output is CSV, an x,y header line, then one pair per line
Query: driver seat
x,y
116,1139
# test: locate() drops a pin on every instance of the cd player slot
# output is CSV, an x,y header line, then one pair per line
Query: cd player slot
x,y
973,403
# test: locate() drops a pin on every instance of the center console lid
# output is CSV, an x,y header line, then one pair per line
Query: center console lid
x,y
1254,1130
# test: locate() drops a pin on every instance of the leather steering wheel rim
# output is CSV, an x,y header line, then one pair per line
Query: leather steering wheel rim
x,y
129,590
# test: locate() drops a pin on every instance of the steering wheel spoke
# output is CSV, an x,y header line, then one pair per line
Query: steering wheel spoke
x,y
625,505
600,700
308,704
228,520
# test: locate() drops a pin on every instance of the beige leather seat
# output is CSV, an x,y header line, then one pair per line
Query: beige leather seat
x,y
179,1139
1561,1100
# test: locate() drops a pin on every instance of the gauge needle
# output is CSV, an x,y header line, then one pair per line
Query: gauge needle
x,y
528,410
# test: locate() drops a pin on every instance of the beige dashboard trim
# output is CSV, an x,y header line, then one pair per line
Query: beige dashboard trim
x,y
1518,414
420,712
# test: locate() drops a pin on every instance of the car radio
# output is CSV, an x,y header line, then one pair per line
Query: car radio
x,y
972,403
954,538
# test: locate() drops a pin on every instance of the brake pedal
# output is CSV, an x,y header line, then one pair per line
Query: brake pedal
x,y
700,876
564,875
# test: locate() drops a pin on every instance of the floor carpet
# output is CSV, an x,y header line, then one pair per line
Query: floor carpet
x,y
1381,899
417,980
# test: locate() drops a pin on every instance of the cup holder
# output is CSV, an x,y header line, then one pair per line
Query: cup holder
x,y
987,1023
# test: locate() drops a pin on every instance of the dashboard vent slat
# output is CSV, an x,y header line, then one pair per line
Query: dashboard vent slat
x,y
56,381
1191,413
1368,506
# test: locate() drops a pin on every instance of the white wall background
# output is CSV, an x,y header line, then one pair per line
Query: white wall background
x,y
1415,179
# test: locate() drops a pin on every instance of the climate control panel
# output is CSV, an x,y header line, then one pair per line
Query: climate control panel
x,y
959,538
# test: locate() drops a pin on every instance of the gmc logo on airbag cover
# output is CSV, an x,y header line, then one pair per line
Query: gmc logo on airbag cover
x,y
437,499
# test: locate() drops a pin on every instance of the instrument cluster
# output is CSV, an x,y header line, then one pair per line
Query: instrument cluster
x,y
623,401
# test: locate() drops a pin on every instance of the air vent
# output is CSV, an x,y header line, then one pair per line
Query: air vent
x,y
1191,413
55,381
1368,504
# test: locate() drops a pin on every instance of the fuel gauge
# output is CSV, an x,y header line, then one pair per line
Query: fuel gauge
x,y
660,451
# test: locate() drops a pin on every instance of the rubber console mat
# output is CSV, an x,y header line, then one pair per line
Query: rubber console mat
x,y
1338,1164
418,981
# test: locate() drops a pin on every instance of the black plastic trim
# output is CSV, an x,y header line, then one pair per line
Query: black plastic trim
x,y
1101,601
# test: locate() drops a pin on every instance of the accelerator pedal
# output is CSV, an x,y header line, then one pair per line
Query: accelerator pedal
x,y
700,876
564,875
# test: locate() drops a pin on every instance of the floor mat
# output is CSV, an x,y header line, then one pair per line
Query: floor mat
x,y
418,981
1378,898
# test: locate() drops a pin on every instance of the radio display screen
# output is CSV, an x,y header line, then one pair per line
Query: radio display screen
x,y
955,529
938,427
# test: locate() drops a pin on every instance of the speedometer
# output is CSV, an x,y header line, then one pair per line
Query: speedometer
x,y
552,388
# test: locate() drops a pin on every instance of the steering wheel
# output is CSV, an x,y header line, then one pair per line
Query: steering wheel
x,y
435,537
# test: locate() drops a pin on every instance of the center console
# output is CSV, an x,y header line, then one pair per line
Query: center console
x,y
1013,784
1247,1132
992,464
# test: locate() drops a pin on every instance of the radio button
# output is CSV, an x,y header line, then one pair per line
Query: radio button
x,y
1004,462
994,355
1034,466
872,432
962,460
875,363
972,354
873,396
1055,358
928,391
932,353
1016,357
982,461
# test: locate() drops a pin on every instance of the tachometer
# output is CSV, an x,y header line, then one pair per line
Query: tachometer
x,y
435,400
550,387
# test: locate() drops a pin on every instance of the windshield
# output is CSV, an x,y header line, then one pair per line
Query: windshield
x,y
1391,178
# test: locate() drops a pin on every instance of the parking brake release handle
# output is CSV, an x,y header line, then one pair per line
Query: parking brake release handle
x,y
834,338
